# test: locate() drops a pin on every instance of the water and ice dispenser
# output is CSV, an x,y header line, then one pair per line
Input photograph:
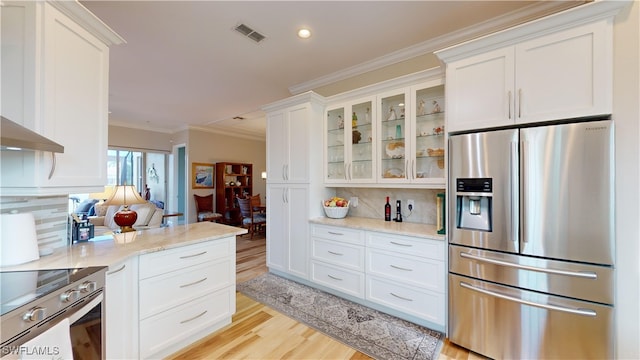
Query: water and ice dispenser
x,y
473,198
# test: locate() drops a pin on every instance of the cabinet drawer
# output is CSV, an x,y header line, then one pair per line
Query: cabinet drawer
x,y
410,270
347,281
425,304
162,262
432,249
172,289
341,254
351,236
163,330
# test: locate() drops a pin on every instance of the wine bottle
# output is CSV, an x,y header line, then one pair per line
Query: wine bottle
x,y
387,211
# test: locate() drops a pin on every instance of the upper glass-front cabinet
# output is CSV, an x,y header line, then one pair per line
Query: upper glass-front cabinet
x,y
349,143
395,137
428,136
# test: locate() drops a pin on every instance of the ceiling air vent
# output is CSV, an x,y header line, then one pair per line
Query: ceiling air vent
x,y
250,33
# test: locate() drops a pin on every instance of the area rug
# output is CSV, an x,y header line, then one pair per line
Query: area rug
x,y
369,331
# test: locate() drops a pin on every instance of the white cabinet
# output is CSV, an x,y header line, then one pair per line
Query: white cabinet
x,y
565,73
121,302
390,272
288,229
393,136
349,142
407,274
294,180
290,127
55,71
185,294
337,259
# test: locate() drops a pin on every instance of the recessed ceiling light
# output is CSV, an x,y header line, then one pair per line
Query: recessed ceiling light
x,y
304,33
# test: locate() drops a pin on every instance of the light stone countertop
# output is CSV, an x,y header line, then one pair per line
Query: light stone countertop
x,y
109,252
426,231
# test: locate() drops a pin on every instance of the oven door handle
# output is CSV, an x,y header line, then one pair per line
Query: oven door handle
x,y
580,274
86,308
583,312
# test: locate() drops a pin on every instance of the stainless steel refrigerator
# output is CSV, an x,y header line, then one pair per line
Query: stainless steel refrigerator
x,y
531,241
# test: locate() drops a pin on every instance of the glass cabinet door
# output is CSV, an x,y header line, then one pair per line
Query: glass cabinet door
x,y
392,142
429,135
335,146
361,166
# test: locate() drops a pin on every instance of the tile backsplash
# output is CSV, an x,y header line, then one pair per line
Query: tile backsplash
x,y
51,214
371,203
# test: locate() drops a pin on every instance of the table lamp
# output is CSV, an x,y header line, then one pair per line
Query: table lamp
x,y
125,195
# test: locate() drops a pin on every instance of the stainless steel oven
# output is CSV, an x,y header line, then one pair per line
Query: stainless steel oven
x,y
33,303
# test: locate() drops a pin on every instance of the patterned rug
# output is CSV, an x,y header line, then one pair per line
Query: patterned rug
x,y
374,333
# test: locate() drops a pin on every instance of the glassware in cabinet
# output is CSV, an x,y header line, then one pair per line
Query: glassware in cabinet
x,y
335,146
429,133
361,160
392,142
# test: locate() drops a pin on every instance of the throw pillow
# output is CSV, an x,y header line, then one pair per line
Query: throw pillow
x,y
145,212
100,209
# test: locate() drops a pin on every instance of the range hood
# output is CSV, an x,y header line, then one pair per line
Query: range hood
x,y
14,136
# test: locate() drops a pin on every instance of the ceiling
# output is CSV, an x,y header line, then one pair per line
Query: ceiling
x,y
183,64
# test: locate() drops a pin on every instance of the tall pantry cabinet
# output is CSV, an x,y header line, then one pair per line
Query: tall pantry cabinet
x,y
294,185
55,81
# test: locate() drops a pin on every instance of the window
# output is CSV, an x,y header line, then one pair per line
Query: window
x,y
145,170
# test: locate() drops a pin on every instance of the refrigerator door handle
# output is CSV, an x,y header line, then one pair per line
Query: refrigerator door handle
x,y
581,274
515,208
524,147
583,312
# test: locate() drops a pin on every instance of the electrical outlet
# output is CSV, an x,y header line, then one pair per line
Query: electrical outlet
x,y
353,202
411,205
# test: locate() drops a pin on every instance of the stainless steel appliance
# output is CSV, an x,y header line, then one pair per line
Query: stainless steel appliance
x,y
531,241
35,301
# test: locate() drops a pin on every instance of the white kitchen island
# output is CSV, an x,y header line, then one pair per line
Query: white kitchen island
x,y
165,289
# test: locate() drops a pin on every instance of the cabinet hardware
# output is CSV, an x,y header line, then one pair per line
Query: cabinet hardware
x,y
334,278
335,233
581,274
53,165
399,244
401,297
193,283
519,103
116,271
194,255
400,268
193,318
509,96
334,253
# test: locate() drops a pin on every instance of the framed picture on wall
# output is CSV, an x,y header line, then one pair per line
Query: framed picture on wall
x,y
202,175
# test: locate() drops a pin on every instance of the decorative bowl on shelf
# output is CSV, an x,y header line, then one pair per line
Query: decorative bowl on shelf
x,y
435,152
395,149
393,173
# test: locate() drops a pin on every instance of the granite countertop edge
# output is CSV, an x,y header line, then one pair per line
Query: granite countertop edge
x,y
108,252
426,231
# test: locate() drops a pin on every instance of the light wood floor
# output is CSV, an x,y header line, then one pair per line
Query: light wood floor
x,y
258,332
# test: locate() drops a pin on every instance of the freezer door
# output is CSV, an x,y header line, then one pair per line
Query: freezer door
x,y
567,192
493,156
503,322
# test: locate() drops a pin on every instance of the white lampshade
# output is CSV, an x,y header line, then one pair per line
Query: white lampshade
x,y
264,174
125,195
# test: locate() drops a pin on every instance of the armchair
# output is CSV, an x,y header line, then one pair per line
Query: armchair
x,y
204,208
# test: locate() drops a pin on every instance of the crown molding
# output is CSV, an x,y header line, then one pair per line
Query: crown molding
x,y
427,47
89,21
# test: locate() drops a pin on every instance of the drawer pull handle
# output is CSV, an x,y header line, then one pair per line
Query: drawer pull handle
x,y
400,244
334,278
400,297
193,318
117,271
400,268
334,253
194,255
193,283
335,233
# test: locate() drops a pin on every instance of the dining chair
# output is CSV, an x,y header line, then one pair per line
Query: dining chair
x,y
252,220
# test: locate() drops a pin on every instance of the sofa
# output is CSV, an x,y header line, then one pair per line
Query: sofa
x,y
149,216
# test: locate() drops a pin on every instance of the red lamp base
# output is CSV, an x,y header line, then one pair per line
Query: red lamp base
x,y
125,218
